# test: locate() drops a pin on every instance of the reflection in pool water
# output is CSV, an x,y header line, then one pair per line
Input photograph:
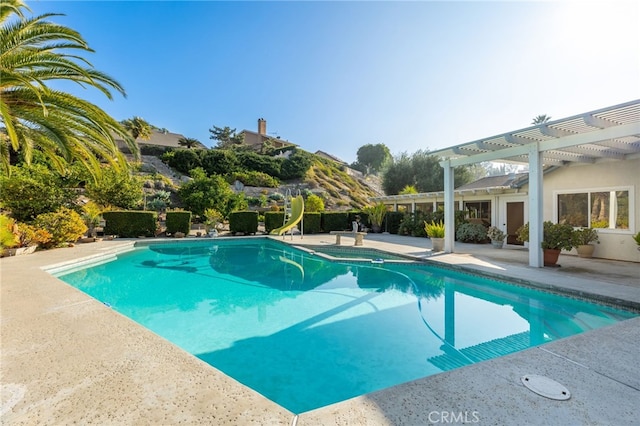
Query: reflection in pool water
x,y
306,332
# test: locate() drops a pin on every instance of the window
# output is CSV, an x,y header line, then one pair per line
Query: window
x,y
595,209
478,210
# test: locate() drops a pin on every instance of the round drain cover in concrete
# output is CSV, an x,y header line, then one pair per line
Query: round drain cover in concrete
x,y
546,387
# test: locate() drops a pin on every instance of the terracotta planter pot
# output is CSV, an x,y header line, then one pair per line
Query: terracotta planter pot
x,y
438,244
585,250
550,256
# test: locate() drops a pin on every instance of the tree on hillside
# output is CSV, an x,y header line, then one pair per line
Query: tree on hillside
x,y
226,137
211,192
188,142
541,119
138,128
371,158
34,51
421,170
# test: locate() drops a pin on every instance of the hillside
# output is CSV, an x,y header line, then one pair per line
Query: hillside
x,y
344,188
340,187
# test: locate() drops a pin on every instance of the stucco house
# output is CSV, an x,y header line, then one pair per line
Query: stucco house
x,y
256,139
583,170
160,138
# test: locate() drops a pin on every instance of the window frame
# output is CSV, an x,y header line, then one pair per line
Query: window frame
x,y
630,190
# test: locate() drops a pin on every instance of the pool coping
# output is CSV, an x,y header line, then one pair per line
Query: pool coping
x,y
390,406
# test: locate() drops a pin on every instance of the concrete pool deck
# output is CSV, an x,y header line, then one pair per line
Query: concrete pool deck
x,y
67,358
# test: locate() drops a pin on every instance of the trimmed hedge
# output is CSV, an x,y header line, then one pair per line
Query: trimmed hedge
x,y
392,222
312,221
335,221
178,221
273,220
245,222
130,223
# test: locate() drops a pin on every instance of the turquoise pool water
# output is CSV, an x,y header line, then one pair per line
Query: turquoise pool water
x,y
362,253
306,332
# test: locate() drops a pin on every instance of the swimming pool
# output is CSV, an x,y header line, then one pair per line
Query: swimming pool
x,y
306,332
357,253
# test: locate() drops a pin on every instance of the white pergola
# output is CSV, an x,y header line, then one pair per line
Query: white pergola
x,y
608,134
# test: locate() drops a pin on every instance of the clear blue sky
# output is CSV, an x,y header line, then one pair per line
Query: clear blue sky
x,y
338,75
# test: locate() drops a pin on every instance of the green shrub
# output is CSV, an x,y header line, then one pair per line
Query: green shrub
x,y
312,221
245,222
118,189
220,162
471,233
8,228
204,192
335,221
313,203
178,221
273,220
64,225
392,222
33,190
260,163
184,160
130,224
413,223
156,151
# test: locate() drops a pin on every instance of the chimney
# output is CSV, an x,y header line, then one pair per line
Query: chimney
x,y
262,126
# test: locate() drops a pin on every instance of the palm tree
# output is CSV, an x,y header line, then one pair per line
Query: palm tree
x,y
541,119
34,51
188,142
137,128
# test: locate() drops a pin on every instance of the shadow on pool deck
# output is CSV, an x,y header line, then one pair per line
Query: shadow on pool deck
x,y
67,358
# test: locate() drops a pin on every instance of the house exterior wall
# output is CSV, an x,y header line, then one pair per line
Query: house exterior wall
x,y
614,243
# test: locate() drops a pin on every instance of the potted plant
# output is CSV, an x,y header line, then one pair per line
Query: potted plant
x,y
376,215
637,239
582,239
435,231
91,214
556,237
496,236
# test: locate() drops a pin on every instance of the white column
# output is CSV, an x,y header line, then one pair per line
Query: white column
x,y
413,206
449,215
535,206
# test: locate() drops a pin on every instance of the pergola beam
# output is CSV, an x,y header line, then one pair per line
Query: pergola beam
x,y
552,144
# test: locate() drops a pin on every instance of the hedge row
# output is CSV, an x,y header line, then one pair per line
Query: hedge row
x,y
130,224
178,221
245,222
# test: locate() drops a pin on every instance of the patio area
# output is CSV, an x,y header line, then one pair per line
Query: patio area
x,y
67,358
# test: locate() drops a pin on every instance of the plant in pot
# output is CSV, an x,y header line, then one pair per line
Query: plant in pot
x,y
376,215
435,231
582,239
556,237
637,239
91,215
496,236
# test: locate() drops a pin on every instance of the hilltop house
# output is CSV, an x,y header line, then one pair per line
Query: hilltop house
x,y
256,139
583,170
160,139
